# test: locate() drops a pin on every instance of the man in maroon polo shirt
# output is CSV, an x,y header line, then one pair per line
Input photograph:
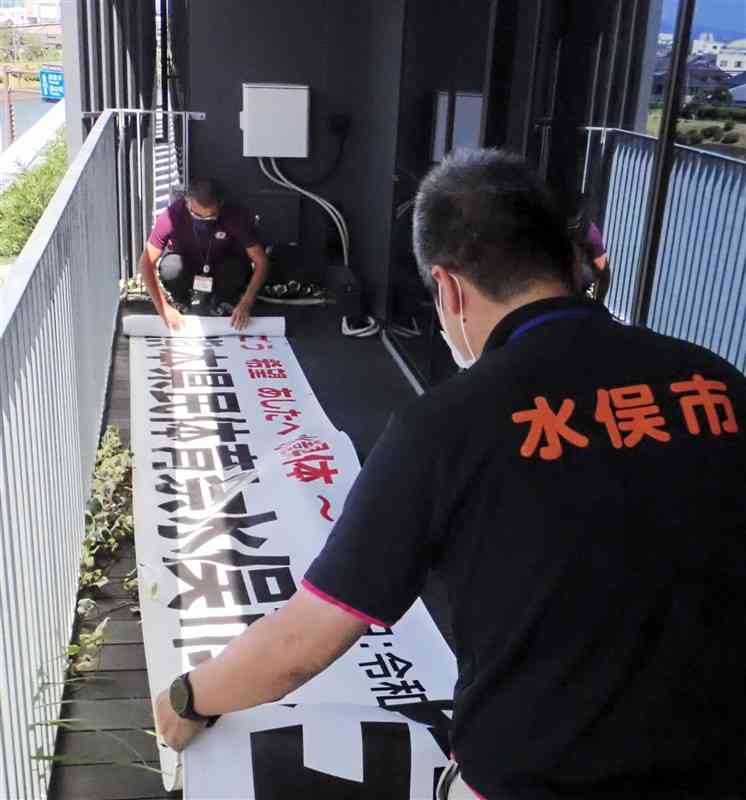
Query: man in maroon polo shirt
x,y
201,248
592,258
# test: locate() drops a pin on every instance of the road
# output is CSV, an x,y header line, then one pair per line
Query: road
x,y
30,108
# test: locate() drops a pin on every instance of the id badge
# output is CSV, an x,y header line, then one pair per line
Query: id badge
x,y
202,283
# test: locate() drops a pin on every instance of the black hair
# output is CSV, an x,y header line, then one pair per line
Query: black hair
x,y
485,215
206,191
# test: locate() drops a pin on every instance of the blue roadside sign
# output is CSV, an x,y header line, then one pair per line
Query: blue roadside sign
x,y
52,80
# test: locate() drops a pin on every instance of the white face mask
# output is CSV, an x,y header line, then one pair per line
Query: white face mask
x,y
461,361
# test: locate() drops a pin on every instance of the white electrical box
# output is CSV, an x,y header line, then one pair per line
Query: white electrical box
x,y
274,120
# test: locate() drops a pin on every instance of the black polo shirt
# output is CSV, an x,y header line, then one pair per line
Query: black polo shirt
x,y
580,490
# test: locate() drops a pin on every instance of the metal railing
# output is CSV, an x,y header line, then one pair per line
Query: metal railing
x,y
58,313
699,292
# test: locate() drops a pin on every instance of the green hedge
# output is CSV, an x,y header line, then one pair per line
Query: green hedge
x,y
22,205
712,132
721,112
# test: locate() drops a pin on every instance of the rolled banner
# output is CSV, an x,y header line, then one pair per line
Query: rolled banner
x,y
199,327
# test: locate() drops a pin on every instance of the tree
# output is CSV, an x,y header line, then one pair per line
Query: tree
x,y
7,43
35,48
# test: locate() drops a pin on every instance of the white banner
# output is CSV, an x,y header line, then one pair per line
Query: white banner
x,y
198,327
238,479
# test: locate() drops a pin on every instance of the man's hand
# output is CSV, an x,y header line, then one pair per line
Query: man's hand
x,y
173,319
176,732
241,314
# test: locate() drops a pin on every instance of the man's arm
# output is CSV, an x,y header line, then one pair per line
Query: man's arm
x,y
148,262
275,656
372,568
242,312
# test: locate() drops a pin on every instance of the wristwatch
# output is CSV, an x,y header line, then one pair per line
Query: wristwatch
x,y
182,701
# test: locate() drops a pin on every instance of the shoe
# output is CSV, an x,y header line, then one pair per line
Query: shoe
x,y
293,290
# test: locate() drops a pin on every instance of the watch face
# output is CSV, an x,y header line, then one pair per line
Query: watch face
x,y
179,696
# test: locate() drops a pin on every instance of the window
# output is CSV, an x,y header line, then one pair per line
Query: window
x,y
738,64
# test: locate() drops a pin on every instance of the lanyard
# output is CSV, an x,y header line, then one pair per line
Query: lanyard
x,y
548,317
206,266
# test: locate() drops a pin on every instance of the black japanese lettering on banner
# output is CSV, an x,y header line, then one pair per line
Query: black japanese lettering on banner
x,y
386,665
190,430
396,688
279,771
231,558
202,403
269,585
170,342
202,459
196,657
198,493
195,351
231,520
190,378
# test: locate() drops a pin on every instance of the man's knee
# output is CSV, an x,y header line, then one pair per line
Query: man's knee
x,y
232,277
172,268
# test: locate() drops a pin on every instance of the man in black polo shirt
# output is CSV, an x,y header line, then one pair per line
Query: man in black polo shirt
x,y
200,247
579,490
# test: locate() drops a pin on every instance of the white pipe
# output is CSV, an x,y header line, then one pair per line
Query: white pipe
x,y
322,200
325,204
288,185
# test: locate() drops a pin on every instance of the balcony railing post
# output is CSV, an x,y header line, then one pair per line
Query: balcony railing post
x,y
664,159
608,142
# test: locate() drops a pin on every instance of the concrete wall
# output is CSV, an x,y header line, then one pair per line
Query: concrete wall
x,y
350,55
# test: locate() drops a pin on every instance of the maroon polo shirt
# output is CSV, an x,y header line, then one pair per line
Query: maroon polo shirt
x,y
176,231
594,243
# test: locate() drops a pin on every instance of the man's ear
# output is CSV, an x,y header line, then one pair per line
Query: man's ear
x,y
448,289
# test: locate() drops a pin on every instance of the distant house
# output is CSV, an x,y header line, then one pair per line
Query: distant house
x,y
706,44
732,58
665,39
703,77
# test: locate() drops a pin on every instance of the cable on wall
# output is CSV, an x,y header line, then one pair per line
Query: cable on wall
x,y
371,327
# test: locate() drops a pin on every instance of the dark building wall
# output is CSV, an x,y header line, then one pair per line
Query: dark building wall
x,y
445,49
349,54
376,171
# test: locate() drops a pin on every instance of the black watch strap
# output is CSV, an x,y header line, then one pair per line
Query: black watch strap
x,y
187,711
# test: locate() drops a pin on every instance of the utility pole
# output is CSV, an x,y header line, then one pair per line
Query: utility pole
x,y
10,117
